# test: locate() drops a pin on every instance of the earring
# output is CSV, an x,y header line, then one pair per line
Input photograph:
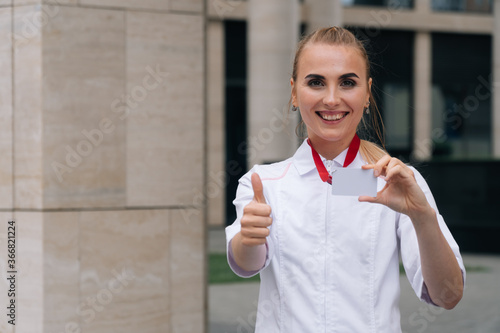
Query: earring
x,y
367,108
294,108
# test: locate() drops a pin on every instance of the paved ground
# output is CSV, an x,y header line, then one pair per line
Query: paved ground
x,y
232,307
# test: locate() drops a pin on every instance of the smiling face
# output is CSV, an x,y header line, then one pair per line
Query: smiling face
x,y
331,89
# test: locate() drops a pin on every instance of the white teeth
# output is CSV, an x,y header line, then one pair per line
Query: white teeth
x,y
333,116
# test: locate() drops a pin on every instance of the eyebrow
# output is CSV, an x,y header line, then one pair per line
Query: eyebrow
x,y
321,77
315,76
344,76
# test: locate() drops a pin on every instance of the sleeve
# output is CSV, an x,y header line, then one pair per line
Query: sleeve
x,y
410,254
244,194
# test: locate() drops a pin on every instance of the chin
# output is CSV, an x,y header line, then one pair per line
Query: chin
x,y
333,136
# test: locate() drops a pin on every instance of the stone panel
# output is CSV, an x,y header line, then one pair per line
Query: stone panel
x,y
84,140
61,2
129,4
6,199
165,119
29,262
28,109
187,271
4,283
25,2
195,6
61,272
216,182
124,271
272,38
54,2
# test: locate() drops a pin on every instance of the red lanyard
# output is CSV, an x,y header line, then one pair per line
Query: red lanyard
x,y
351,154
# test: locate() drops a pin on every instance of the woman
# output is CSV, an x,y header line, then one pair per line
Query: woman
x,y
330,263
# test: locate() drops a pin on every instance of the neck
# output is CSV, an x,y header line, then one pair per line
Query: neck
x,y
330,149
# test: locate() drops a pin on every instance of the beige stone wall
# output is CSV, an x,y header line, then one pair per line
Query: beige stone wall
x,y
102,145
216,140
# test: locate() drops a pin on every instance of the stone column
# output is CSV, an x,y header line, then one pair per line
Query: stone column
x,y
422,117
496,80
323,13
102,109
6,139
272,37
216,189
422,6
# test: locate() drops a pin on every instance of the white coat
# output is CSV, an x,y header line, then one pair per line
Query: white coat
x,y
332,263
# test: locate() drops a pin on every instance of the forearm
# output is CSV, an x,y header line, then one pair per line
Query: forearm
x,y
440,269
249,258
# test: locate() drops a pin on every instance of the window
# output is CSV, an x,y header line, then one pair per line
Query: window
x,y
481,6
461,95
391,54
236,109
384,3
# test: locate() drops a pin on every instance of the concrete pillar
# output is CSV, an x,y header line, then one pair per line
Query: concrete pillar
x,y
215,124
496,81
323,13
422,117
272,37
422,6
102,140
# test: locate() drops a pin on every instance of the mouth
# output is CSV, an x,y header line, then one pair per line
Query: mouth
x,y
331,116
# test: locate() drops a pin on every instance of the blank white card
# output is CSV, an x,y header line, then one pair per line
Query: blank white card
x,y
348,181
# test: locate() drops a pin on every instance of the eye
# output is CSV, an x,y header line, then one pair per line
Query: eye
x,y
315,83
348,83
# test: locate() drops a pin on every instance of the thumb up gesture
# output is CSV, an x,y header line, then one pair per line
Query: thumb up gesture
x,y
256,216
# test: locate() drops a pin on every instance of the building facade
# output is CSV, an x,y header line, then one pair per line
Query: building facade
x,y
102,144
126,124
435,68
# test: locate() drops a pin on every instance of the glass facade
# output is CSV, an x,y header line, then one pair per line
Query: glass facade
x,y
461,96
384,3
236,108
471,6
391,54
478,6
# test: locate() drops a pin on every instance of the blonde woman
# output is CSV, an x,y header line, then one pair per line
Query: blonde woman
x,y
330,263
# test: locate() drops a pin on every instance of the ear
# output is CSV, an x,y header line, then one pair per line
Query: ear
x,y
294,94
369,89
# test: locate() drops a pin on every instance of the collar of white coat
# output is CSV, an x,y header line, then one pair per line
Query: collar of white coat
x,y
304,162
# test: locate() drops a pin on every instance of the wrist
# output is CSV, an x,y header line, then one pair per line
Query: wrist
x,y
248,257
423,215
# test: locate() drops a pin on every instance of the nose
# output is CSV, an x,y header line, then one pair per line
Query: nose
x,y
331,97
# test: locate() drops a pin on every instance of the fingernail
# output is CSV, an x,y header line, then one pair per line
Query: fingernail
x,y
376,173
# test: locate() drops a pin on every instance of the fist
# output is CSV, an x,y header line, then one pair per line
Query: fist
x,y
256,216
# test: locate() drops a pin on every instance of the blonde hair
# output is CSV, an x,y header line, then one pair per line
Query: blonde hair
x,y
370,151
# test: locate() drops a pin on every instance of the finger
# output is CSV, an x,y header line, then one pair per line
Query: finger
x,y
258,189
399,172
258,209
367,198
380,165
377,199
251,221
251,241
394,162
368,166
255,232
400,169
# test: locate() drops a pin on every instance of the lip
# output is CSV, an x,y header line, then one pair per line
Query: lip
x,y
331,113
